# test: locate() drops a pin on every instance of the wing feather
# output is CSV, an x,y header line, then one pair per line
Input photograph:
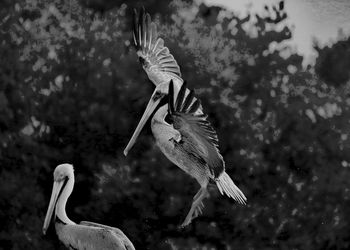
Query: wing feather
x,y
181,96
195,128
155,58
189,100
171,98
194,107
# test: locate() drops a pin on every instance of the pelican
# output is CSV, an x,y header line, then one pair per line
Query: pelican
x,y
159,65
86,235
182,132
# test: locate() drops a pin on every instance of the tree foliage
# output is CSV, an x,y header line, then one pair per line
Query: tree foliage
x,y
71,90
333,62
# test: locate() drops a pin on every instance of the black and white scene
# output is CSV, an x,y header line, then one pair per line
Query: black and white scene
x,y
175,124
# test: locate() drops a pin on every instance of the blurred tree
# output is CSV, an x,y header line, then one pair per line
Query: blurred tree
x,y
333,62
71,90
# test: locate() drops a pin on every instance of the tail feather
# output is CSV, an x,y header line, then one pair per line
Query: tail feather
x,y
226,186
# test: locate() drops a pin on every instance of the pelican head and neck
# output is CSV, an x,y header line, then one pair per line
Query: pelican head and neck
x,y
159,93
62,188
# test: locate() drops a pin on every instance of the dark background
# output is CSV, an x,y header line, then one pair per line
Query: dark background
x,y
72,90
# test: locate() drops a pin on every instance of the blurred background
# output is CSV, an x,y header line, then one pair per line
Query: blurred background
x,y
72,90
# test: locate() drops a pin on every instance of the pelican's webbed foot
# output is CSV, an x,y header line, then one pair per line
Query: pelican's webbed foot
x,y
197,206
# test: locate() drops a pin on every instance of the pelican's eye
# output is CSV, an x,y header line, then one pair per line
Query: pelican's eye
x,y
157,96
60,177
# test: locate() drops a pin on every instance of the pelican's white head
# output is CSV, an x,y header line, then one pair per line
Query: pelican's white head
x,y
62,175
62,171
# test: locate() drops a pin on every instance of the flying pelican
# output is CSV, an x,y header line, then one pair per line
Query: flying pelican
x,y
199,155
187,139
86,235
159,65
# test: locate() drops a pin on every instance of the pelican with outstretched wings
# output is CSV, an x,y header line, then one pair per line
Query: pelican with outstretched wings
x,y
180,128
155,58
86,235
159,65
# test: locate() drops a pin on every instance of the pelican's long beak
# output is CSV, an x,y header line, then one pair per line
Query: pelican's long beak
x,y
57,186
152,104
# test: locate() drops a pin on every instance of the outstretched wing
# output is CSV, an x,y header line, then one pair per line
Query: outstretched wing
x,y
196,131
128,244
155,58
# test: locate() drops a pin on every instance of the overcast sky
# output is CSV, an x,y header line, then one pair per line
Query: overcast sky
x,y
312,18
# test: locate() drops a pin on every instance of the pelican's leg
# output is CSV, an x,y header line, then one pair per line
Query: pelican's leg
x,y
197,206
195,197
